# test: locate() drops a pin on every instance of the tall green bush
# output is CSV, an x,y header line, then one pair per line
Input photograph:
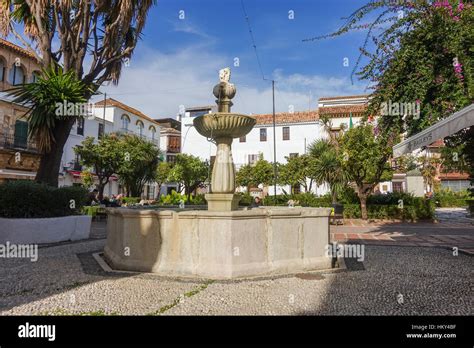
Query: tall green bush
x,y
28,199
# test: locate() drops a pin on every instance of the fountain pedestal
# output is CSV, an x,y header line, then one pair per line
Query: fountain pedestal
x,y
222,201
222,127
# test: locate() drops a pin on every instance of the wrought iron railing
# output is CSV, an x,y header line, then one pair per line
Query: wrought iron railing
x,y
128,131
19,143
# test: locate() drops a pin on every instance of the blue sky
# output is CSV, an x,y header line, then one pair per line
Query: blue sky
x,y
177,61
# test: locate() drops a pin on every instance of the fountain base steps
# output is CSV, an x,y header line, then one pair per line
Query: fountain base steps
x,y
222,201
218,244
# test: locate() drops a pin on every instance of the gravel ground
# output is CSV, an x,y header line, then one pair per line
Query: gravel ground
x,y
392,281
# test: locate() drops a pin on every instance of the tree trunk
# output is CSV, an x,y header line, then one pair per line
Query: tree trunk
x,y
334,196
363,204
50,162
100,188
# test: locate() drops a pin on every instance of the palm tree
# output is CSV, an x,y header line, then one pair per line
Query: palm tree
x,y
54,87
66,33
327,166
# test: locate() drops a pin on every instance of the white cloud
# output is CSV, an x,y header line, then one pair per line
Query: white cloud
x,y
158,83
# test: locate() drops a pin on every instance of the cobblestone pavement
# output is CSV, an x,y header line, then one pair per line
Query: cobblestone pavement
x,y
458,216
393,280
453,230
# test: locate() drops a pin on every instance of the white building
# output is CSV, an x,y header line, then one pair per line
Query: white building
x,y
294,133
115,117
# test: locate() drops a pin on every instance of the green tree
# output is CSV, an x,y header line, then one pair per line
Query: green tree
x,y
424,54
53,86
189,171
68,33
244,175
365,159
260,172
297,171
104,157
327,166
163,174
139,163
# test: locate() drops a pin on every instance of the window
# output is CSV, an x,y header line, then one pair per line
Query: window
x,y
2,70
286,133
243,139
151,192
335,132
293,154
263,134
17,75
125,122
456,185
80,126
34,76
253,159
171,158
101,130
77,163
139,125
153,133
397,186
21,134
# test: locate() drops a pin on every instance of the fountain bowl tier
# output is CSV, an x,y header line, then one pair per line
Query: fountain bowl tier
x,y
224,125
218,245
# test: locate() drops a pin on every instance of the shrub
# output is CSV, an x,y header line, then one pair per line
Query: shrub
x,y
348,196
130,200
391,198
90,210
305,200
448,198
174,199
28,199
245,199
422,209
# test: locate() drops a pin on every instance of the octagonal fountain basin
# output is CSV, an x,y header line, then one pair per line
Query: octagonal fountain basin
x,y
224,125
218,244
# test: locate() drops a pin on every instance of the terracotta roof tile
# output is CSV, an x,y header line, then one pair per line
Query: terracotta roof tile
x,y
287,117
170,130
343,110
113,102
17,48
346,97
454,176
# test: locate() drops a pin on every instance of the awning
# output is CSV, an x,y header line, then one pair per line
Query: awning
x,y
444,128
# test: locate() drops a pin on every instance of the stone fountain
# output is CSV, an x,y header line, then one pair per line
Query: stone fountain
x,y
223,242
222,127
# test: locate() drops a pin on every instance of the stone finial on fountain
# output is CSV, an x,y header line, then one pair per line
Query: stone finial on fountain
x,y
224,91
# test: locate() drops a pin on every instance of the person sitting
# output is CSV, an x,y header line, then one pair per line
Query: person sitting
x,y
92,197
257,202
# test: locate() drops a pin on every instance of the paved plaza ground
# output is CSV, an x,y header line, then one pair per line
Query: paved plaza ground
x,y
408,269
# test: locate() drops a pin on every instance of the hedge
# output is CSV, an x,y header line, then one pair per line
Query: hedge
x,y
29,199
174,199
446,198
421,210
304,199
380,206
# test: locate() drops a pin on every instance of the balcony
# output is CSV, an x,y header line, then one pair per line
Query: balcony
x,y
14,142
130,132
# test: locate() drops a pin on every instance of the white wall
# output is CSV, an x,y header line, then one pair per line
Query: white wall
x,y
113,123
301,136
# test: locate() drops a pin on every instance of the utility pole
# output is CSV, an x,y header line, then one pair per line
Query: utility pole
x,y
274,144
